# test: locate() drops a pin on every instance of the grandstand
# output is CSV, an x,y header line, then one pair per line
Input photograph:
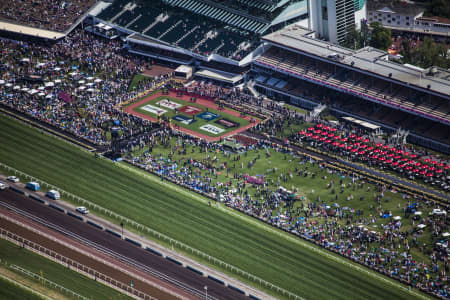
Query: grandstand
x,y
299,69
222,31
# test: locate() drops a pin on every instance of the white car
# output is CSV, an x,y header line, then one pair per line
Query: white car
x,y
3,186
438,212
82,210
13,179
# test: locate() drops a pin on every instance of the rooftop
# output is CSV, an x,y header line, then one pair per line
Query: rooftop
x,y
367,59
404,7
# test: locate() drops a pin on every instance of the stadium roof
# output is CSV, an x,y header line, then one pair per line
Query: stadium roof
x,y
368,59
403,8
30,31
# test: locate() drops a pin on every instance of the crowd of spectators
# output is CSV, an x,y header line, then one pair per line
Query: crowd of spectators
x,y
343,229
74,84
44,14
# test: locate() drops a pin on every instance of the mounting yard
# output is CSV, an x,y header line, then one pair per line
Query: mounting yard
x,y
201,118
259,249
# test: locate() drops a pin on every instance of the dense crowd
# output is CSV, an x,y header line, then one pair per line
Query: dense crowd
x,y
44,14
74,84
388,250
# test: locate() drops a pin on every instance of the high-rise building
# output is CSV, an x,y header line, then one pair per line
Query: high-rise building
x,y
333,19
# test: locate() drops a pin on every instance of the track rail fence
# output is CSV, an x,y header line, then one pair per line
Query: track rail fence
x,y
70,263
156,234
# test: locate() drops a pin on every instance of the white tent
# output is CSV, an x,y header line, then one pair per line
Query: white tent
x,y
90,78
418,213
91,90
49,84
41,88
396,218
41,94
58,81
24,89
33,91
421,226
81,82
90,84
40,65
97,80
57,69
81,88
2,81
49,96
16,87
8,84
25,60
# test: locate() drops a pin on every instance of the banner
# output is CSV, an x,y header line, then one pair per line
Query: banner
x,y
169,104
208,116
212,129
190,110
154,110
183,119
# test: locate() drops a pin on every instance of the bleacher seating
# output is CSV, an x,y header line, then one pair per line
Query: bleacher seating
x,y
381,89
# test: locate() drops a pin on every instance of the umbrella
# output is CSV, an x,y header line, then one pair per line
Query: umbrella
x,y
319,125
41,88
8,84
16,87
332,129
302,132
421,226
41,94
24,89
97,80
310,128
315,137
81,81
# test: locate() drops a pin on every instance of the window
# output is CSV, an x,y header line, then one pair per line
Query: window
x,y
407,23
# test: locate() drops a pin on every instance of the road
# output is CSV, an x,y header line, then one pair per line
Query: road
x,y
140,257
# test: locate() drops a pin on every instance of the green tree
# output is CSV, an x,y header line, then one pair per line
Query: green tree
x,y
380,37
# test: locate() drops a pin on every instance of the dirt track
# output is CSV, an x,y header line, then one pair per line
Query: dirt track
x,y
117,245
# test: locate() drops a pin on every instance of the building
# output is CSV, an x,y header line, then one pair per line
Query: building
x,y
406,17
216,35
333,19
297,68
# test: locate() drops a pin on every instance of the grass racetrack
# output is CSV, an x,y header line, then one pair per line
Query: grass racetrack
x,y
12,291
59,274
262,253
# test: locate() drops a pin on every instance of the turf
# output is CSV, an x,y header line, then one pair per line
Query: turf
x,y
13,254
260,252
11,291
199,122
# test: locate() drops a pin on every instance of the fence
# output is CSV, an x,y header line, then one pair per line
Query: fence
x,y
156,234
80,268
47,282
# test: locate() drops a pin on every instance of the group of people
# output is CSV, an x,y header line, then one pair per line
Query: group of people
x,y
343,229
77,83
48,14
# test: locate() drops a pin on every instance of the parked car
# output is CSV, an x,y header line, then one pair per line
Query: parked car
x,y
82,210
13,179
438,212
53,194
3,186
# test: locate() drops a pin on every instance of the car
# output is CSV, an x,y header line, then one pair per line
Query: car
x,y
13,179
438,212
3,186
82,210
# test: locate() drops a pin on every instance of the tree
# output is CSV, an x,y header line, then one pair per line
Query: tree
x,y
426,55
381,37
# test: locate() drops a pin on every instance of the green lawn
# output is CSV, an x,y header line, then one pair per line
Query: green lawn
x,y
136,79
245,244
13,254
198,121
11,291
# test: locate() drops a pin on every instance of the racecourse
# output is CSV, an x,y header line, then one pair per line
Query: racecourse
x,y
231,238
